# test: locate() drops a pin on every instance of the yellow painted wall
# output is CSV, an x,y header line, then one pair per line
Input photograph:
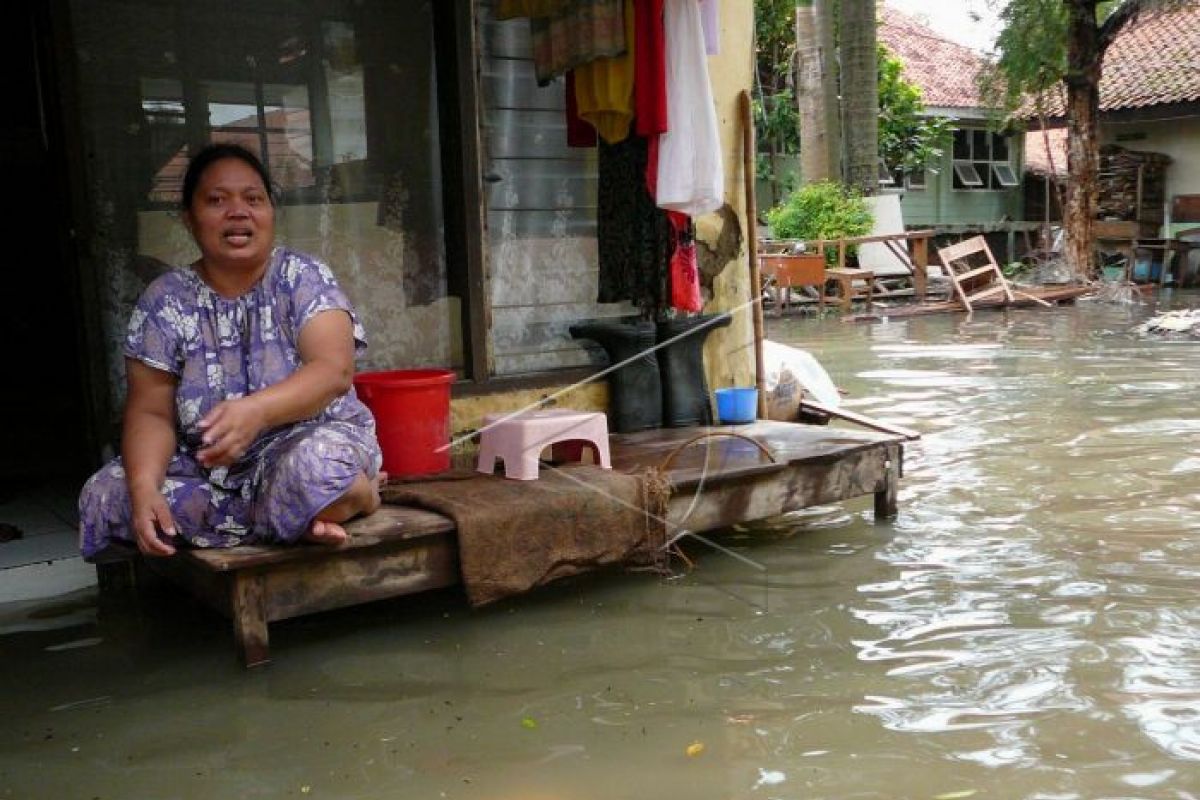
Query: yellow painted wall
x,y
729,352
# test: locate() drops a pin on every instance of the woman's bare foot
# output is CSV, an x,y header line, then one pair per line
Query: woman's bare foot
x,y
360,499
327,533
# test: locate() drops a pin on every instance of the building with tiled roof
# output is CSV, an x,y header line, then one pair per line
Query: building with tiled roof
x,y
977,181
1149,102
946,71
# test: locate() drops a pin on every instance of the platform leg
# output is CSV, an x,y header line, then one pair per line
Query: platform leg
x,y
248,596
116,581
886,506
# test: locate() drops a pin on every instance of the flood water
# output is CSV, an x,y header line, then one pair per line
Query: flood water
x,y
1028,627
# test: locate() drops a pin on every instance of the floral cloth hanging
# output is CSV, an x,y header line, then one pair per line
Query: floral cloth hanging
x,y
581,31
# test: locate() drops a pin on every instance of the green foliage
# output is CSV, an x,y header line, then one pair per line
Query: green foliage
x,y
908,140
823,210
1031,53
775,114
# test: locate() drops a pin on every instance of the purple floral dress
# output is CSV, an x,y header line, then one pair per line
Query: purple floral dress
x,y
221,349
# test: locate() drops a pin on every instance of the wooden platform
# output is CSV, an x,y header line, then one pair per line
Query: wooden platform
x,y
400,550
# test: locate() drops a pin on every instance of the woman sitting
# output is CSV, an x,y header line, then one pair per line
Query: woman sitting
x,y
241,424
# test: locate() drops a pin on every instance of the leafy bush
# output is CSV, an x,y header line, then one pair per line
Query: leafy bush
x,y
824,210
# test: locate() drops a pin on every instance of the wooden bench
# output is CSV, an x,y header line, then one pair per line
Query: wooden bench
x,y
400,550
395,551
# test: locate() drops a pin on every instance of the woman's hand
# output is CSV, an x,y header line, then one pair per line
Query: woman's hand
x,y
229,430
152,515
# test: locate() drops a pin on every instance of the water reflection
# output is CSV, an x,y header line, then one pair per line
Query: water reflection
x,y
1026,628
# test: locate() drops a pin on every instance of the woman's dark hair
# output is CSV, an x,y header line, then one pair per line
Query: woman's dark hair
x,y
211,154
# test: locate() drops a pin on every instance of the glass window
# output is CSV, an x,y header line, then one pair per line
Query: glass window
x,y
916,179
1003,175
541,211
980,151
999,147
981,161
338,97
962,144
966,175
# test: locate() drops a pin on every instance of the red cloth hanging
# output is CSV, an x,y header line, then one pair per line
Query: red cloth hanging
x,y
580,133
684,271
649,68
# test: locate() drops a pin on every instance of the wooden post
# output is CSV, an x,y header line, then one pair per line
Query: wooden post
x,y
248,603
920,259
760,369
886,506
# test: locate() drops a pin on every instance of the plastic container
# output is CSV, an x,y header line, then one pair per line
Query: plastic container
x,y
412,418
737,405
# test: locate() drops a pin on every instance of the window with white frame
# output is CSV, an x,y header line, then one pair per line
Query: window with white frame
x,y
909,179
981,161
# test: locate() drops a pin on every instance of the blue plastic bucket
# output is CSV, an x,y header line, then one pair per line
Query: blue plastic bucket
x,y
737,405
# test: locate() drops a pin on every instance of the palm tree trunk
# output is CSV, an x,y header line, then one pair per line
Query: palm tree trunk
x,y
815,163
860,94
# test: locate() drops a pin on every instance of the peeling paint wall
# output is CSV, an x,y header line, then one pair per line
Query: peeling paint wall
x,y
729,353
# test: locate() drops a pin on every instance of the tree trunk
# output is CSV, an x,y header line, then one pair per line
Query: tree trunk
x,y
860,94
1084,54
814,115
825,10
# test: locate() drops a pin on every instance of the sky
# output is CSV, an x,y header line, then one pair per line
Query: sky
x,y
952,19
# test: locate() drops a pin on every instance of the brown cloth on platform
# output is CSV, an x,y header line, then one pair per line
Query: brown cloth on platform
x,y
515,535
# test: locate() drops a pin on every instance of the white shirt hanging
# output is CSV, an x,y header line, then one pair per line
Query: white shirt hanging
x,y
710,19
691,177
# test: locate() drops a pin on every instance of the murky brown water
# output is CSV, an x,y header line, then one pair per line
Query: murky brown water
x,y
1027,628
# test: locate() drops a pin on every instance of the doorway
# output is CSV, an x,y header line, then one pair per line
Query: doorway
x,y
44,446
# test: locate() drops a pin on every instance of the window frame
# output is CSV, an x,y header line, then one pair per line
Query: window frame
x,y
984,166
465,208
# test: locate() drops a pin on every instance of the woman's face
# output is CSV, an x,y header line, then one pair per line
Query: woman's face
x,y
231,216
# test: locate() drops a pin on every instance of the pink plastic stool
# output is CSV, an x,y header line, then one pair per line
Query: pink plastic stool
x,y
521,439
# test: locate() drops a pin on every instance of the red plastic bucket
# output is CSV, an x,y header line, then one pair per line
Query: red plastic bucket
x,y
412,418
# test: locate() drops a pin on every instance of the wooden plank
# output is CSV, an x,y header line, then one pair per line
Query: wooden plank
x,y
974,273
359,576
721,458
388,524
731,502
861,419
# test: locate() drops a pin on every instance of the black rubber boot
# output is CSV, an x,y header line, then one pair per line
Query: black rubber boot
x,y
635,390
681,364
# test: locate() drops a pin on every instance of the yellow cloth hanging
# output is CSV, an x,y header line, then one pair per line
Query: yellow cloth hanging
x,y
604,89
510,9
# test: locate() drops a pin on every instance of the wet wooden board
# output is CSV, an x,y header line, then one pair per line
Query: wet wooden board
x,y
718,479
390,523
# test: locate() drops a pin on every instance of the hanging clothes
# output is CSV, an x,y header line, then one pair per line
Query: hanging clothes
x,y
579,132
511,9
604,88
691,178
684,274
649,68
710,21
581,31
633,235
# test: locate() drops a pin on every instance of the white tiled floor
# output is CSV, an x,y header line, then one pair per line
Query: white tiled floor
x,y
46,516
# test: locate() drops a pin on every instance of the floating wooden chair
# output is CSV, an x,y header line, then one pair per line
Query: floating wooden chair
x,y
974,274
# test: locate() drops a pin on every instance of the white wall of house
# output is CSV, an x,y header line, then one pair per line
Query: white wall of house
x,y
1177,138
